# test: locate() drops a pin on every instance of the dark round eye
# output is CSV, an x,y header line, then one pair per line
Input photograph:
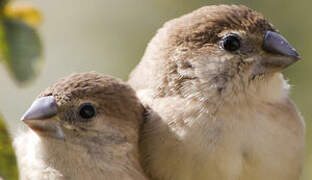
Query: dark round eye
x,y
87,111
230,42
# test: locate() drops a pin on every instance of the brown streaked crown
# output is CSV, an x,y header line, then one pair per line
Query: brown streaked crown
x,y
115,97
203,25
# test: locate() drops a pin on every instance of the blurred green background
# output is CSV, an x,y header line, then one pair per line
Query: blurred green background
x,y
110,36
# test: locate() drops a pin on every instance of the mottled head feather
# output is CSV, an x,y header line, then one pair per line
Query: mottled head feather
x,y
169,63
203,25
114,97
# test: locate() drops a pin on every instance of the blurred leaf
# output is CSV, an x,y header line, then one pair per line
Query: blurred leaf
x,y
3,3
8,166
20,48
25,12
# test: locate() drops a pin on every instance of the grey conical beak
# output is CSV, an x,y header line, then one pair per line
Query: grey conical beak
x,y
278,55
42,108
39,118
276,44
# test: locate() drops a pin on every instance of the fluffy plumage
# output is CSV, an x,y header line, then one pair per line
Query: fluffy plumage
x,y
214,113
68,146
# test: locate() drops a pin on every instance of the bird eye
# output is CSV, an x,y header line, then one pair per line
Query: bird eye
x,y
87,111
230,42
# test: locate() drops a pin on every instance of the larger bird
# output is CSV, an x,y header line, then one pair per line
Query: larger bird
x,y
85,126
219,105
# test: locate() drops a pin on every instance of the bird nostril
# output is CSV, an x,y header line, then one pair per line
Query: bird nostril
x,y
187,64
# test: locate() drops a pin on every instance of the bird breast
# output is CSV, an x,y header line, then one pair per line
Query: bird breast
x,y
237,142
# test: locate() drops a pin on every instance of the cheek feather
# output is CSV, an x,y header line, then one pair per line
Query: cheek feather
x,y
218,79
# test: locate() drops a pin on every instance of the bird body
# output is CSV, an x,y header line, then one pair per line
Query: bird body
x,y
218,106
85,126
256,140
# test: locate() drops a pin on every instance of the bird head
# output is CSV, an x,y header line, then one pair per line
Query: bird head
x,y
213,52
86,106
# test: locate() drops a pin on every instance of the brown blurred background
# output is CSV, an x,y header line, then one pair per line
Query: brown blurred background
x,y
110,36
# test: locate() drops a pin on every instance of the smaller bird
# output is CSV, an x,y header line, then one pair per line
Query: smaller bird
x,y
85,126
